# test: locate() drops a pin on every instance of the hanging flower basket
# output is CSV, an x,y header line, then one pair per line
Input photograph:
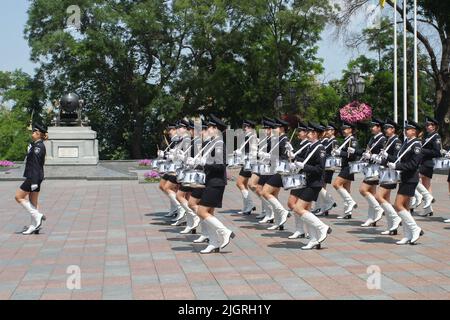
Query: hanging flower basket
x,y
356,112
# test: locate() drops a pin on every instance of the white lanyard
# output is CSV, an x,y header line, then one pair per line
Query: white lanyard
x,y
311,154
392,142
272,149
302,148
345,143
429,139
407,149
375,144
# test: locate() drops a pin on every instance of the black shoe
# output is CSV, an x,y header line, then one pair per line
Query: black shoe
x,y
426,214
393,232
270,221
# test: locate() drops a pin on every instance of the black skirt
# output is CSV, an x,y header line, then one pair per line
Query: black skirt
x,y
26,186
448,178
307,194
197,193
426,171
388,186
263,180
275,181
170,178
245,174
212,197
371,183
407,189
328,176
345,174
186,189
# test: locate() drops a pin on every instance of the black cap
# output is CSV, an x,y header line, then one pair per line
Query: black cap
x,y
431,120
315,127
182,123
191,124
301,126
346,125
249,123
376,122
40,127
171,125
267,123
389,123
280,123
216,122
331,126
409,124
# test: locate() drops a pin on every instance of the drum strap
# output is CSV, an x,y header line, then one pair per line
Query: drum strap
x,y
376,143
390,144
281,140
429,139
311,154
407,149
345,143
332,140
245,143
302,148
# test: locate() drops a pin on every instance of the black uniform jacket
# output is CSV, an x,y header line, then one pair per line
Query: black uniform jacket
x,y
215,167
304,153
410,161
346,157
431,149
315,166
34,165
282,142
329,145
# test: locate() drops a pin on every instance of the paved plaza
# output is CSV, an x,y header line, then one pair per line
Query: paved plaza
x,y
115,233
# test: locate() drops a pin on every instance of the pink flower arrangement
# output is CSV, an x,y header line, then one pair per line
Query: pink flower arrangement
x,y
6,163
151,176
145,163
356,112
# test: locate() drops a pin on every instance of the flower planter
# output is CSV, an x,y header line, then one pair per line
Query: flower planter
x,y
147,176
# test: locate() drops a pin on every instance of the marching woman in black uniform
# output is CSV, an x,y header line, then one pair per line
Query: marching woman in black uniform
x,y
271,188
368,189
168,184
213,160
325,201
186,147
244,176
408,161
313,167
197,193
263,151
431,148
299,155
388,154
34,175
343,182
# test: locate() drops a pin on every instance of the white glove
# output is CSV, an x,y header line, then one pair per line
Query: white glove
x,y
443,152
171,157
238,153
292,167
350,150
263,155
448,154
34,187
190,162
299,165
374,157
391,165
377,158
335,153
160,154
366,156
201,161
384,154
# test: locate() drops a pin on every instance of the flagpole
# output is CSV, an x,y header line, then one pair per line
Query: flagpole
x,y
405,66
395,65
416,93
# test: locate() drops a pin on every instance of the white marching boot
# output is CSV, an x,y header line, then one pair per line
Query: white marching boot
x,y
427,196
204,237
264,210
412,230
393,220
213,245
315,225
299,229
313,243
36,218
270,215
349,203
173,210
416,201
192,221
281,213
248,203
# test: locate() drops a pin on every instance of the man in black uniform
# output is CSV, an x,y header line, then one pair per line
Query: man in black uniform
x,y
34,175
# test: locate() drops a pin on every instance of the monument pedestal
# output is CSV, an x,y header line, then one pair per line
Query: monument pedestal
x,y
71,145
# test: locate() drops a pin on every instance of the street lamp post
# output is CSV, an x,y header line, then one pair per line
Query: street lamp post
x,y
279,103
355,84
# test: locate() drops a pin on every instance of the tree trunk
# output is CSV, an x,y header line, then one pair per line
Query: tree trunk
x,y
443,112
138,129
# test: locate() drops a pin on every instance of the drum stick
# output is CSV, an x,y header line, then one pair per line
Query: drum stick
x,y
292,136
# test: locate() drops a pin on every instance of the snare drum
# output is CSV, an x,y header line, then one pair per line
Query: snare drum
x,y
357,166
162,167
194,179
371,172
333,163
156,163
180,175
172,168
389,176
442,163
234,161
265,169
247,165
283,168
255,168
294,181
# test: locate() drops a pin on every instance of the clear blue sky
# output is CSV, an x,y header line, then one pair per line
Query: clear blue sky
x,y
14,51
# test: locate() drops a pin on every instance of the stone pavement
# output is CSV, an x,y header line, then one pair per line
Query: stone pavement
x,y
114,231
